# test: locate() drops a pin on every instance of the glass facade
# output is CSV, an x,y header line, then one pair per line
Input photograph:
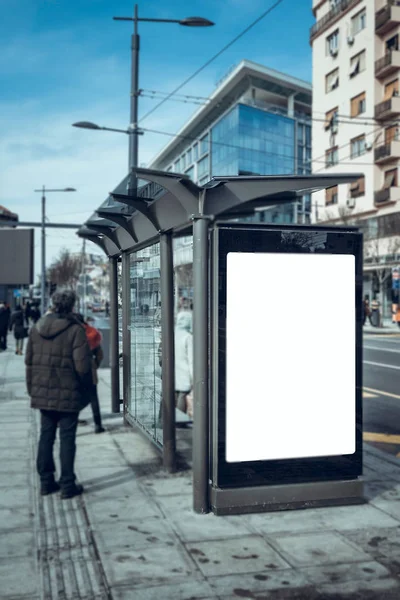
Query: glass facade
x,y
145,317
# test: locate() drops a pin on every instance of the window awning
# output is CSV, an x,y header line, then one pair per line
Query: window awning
x,y
124,222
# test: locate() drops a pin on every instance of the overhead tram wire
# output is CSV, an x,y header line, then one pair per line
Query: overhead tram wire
x,y
210,60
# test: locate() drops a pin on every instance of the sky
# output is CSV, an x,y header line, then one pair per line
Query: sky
x,y
64,61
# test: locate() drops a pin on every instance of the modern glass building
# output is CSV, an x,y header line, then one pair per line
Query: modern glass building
x,y
258,122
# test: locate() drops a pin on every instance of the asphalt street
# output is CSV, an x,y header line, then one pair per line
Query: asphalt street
x,y
381,406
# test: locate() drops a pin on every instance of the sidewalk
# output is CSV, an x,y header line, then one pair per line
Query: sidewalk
x,y
133,534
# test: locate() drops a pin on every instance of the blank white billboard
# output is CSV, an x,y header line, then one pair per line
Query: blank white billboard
x,y
290,356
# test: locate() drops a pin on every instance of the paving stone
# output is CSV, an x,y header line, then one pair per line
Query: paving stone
x,y
390,507
133,535
18,578
343,573
308,549
377,542
15,519
133,509
148,566
193,590
18,479
192,527
16,543
15,497
238,555
359,588
239,585
169,486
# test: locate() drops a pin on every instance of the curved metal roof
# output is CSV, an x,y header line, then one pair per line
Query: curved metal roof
x,y
172,200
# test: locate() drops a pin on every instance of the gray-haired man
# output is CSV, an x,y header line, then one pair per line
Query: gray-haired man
x,y
58,376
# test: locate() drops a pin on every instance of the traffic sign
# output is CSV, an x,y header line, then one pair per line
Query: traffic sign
x,y
17,293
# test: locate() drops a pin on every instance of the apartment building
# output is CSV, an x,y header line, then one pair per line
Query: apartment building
x,y
257,122
356,111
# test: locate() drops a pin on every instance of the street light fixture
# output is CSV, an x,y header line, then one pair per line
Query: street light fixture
x,y
43,280
133,131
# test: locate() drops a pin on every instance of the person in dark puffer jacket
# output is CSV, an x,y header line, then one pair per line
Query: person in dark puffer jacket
x,y
59,377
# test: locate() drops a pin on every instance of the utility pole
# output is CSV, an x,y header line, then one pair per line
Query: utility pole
x,y
84,310
43,282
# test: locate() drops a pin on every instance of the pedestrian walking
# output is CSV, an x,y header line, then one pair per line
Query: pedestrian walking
x,y
93,337
107,308
4,324
184,362
366,311
59,379
35,313
17,322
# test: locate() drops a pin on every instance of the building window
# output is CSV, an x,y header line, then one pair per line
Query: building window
x,y
189,157
357,146
331,195
391,89
183,161
204,144
331,118
357,105
390,179
391,134
190,173
331,157
392,43
357,188
202,167
357,64
332,43
359,21
332,80
195,152
177,165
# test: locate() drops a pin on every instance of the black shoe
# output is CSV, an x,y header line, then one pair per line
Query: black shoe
x,y
99,429
77,490
45,490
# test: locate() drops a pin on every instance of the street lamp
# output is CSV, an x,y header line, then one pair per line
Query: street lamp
x,y
133,129
43,281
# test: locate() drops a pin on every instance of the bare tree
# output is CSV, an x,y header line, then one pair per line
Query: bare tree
x,y
65,270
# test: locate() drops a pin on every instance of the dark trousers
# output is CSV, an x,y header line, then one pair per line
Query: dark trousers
x,y
3,340
94,402
67,423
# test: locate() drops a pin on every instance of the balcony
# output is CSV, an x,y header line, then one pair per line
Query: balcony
x,y
331,17
387,65
387,109
386,196
387,152
387,18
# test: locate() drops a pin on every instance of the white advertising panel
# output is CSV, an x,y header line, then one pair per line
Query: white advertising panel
x,y
290,356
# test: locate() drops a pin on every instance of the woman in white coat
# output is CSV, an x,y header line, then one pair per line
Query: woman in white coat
x,y
183,359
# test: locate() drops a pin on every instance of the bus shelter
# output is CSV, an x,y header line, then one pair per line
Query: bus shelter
x,y
266,403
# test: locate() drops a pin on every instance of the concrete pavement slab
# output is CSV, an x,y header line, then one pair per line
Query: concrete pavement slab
x,y
247,585
377,542
362,589
99,480
16,543
193,590
170,486
193,527
320,548
133,509
237,555
15,497
19,478
149,567
347,572
133,535
18,578
15,519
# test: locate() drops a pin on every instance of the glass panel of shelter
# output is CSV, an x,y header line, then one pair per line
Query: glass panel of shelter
x,y
145,317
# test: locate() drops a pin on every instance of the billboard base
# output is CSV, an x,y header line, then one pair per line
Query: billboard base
x,y
236,501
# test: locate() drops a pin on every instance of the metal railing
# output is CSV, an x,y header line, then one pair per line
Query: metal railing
x,y
382,196
382,151
384,14
383,62
326,21
382,108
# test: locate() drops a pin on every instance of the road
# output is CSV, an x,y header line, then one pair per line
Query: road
x,y
382,392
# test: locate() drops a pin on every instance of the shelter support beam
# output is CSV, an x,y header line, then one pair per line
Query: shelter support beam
x,y
114,343
126,331
168,355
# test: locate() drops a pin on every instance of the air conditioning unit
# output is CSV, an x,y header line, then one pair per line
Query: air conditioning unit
x,y
333,52
368,146
350,40
351,202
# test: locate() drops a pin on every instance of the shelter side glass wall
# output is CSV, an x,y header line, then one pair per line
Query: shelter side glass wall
x,y
145,317
183,302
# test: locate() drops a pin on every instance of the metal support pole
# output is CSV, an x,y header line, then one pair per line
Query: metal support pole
x,y
126,328
84,291
43,281
168,359
133,136
200,363
114,345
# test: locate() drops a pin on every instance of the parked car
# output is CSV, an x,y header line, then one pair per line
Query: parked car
x,y
97,307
